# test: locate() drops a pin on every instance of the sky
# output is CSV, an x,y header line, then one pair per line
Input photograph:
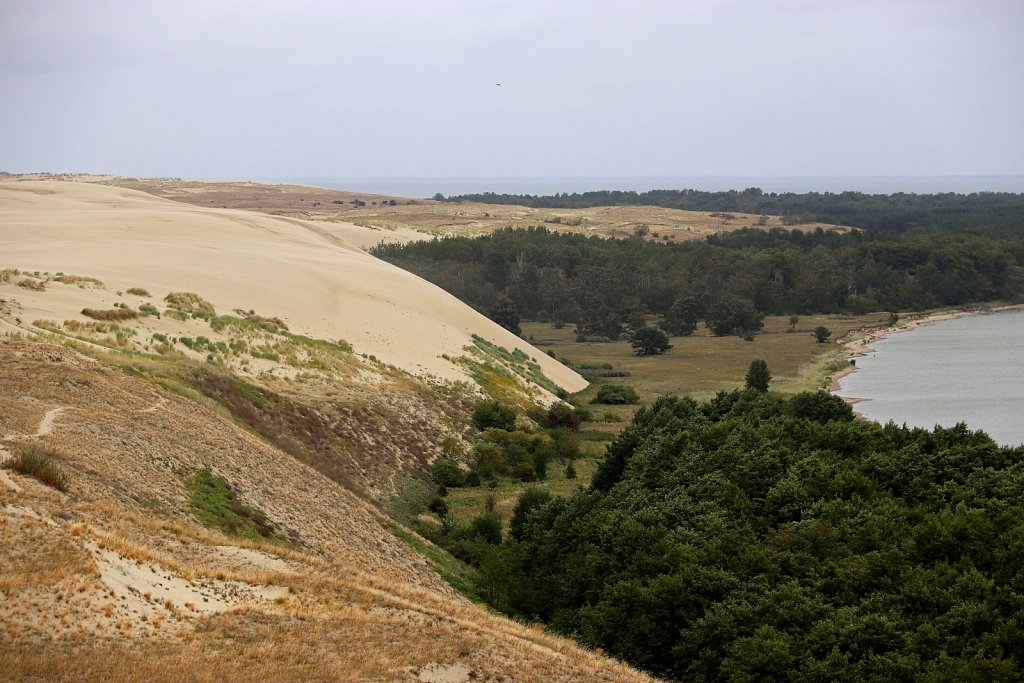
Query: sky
x,y
400,89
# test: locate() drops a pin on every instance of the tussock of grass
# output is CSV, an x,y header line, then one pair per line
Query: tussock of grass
x,y
80,281
189,301
7,273
110,313
34,285
39,464
138,291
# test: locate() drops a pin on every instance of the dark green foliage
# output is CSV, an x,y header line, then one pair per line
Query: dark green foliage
x,y
821,334
728,280
438,506
562,415
41,465
649,340
217,505
446,473
734,315
682,316
616,394
505,313
570,471
529,500
820,406
494,414
755,538
758,376
486,527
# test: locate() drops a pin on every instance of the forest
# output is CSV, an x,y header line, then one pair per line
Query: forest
x,y
729,281
999,213
759,538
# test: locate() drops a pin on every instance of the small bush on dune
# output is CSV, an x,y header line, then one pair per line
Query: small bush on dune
x,y
110,313
40,465
494,414
138,291
447,473
189,301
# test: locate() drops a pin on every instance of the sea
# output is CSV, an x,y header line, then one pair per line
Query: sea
x,y
418,188
968,369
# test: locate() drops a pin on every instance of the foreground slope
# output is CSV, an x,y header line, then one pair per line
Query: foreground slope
x,y
114,579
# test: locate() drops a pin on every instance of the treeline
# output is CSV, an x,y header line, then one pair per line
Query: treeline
x,y
988,212
729,281
756,538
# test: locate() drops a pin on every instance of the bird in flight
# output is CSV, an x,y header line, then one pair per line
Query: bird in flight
x,y
498,84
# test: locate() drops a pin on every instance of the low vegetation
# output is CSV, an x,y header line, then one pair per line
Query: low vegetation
x,y
112,314
217,505
41,465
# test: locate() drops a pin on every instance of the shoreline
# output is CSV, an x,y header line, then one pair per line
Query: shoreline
x,y
861,342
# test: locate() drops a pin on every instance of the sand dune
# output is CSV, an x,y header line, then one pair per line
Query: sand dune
x,y
317,280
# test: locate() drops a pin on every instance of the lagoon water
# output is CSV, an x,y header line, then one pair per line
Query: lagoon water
x,y
969,369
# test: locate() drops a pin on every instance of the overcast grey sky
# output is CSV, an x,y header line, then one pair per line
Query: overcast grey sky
x,y
592,88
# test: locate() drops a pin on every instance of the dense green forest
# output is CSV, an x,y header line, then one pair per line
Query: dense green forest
x,y
989,212
757,538
728,281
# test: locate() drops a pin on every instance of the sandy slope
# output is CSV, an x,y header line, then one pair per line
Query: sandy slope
x,y
318,281
114,580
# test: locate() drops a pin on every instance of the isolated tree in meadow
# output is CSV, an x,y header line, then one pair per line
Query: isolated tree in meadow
x,y
793,320
758,376
821,334
505,313
650,340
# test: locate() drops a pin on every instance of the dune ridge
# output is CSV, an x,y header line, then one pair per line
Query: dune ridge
x,y
317,280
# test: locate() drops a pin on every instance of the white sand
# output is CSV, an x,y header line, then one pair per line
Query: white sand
x,y
317,280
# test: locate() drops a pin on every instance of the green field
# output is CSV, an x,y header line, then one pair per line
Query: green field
x,y
699,366
702,365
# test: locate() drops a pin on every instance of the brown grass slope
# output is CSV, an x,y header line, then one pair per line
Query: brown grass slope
x,y
114,579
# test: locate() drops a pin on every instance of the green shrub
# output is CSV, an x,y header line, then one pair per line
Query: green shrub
x,y
616,394
529,500
486,527
41,465
446,473
563,415
489,413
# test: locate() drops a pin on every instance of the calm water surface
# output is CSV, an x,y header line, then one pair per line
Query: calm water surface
x,y
969,369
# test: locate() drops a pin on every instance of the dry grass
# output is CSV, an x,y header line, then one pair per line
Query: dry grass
x,y
189,301
32,284
137,291
437,218
80,281
113,314
41,465
361,604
